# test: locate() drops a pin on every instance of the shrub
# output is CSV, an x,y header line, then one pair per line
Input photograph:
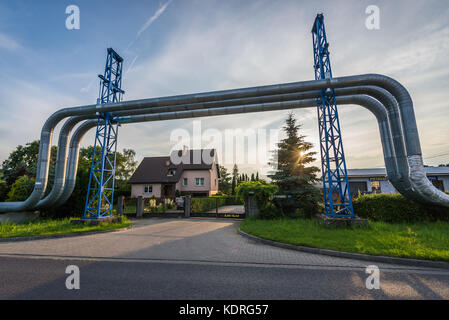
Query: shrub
x,y
263,193
396,208
205,204
303,202
270,211
21,189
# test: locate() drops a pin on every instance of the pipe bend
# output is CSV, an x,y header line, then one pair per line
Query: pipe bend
x,y
370,103
406,114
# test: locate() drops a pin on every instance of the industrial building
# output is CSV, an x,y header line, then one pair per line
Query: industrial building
x,y
375,180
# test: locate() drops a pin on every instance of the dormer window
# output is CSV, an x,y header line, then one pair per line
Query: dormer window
x,y
171,172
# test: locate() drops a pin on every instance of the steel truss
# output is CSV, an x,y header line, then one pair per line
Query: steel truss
x,y
337,197
100,193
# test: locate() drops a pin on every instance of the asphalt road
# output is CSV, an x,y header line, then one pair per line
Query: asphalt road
x,y
197,259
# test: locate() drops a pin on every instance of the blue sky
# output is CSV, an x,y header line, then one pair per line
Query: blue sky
x,y
185,46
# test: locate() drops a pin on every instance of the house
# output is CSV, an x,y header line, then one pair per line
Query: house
x,y
375,180
197,175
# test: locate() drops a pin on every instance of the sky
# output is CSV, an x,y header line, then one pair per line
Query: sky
x,y
188,46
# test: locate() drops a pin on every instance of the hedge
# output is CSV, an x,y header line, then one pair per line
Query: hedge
x,y
396,208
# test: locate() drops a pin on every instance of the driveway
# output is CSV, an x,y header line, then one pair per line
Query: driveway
x,y
204,255
239,209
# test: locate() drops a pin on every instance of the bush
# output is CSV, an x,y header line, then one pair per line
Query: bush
x,y
21,189
263,193
270,211
302,202
396,208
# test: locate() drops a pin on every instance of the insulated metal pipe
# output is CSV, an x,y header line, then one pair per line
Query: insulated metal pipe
x,y
391,85
68,126
380,94
368,102
61,160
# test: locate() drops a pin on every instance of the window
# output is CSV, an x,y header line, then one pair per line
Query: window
x,y
357,186
184,181
148,189
199,181
375,186
171,172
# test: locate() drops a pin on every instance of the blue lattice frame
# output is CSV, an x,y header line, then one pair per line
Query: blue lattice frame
x,y
333,164
100,193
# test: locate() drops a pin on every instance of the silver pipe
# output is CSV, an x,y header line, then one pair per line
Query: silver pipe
x,y
368,102
397,90
61,160
392,172
73,160
65,131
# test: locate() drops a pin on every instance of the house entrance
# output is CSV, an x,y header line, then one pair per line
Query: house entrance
x,y
168,191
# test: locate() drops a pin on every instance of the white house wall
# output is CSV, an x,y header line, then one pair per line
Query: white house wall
x,y
138,190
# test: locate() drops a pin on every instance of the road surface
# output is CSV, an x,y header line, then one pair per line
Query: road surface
x,y
197,259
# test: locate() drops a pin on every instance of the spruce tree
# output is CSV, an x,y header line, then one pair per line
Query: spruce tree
x,y
293,173
235,178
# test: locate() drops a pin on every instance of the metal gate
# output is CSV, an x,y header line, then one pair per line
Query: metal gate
x,y
217,207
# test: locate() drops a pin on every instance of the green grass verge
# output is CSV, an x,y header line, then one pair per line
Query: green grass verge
x,y
40,227
424,240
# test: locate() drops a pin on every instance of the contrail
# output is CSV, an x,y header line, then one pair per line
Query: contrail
x,y
153,18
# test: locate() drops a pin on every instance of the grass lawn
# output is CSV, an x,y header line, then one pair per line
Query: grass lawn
x,y
41,227
428,240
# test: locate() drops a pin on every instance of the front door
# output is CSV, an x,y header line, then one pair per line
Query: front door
x,y
168,191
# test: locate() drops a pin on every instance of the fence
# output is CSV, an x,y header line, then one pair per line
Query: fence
x,y
220,207
152,207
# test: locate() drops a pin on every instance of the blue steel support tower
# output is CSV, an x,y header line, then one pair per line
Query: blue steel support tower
x,y
100,193
337,197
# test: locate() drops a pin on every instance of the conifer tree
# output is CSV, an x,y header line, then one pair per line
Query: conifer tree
x,y
235,178
294,174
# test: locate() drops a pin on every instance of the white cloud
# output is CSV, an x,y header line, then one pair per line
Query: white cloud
x,y
267,43
8,43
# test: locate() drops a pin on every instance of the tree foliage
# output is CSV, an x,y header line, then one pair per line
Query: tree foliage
x,y
263,193
21,189
225,181
125,166
19,169
4,189
235,178
23,161
294,174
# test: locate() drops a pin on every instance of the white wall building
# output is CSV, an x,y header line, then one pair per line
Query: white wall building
x,y
375,181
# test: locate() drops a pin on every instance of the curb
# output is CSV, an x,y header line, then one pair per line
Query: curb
x,y
358,256
63,235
